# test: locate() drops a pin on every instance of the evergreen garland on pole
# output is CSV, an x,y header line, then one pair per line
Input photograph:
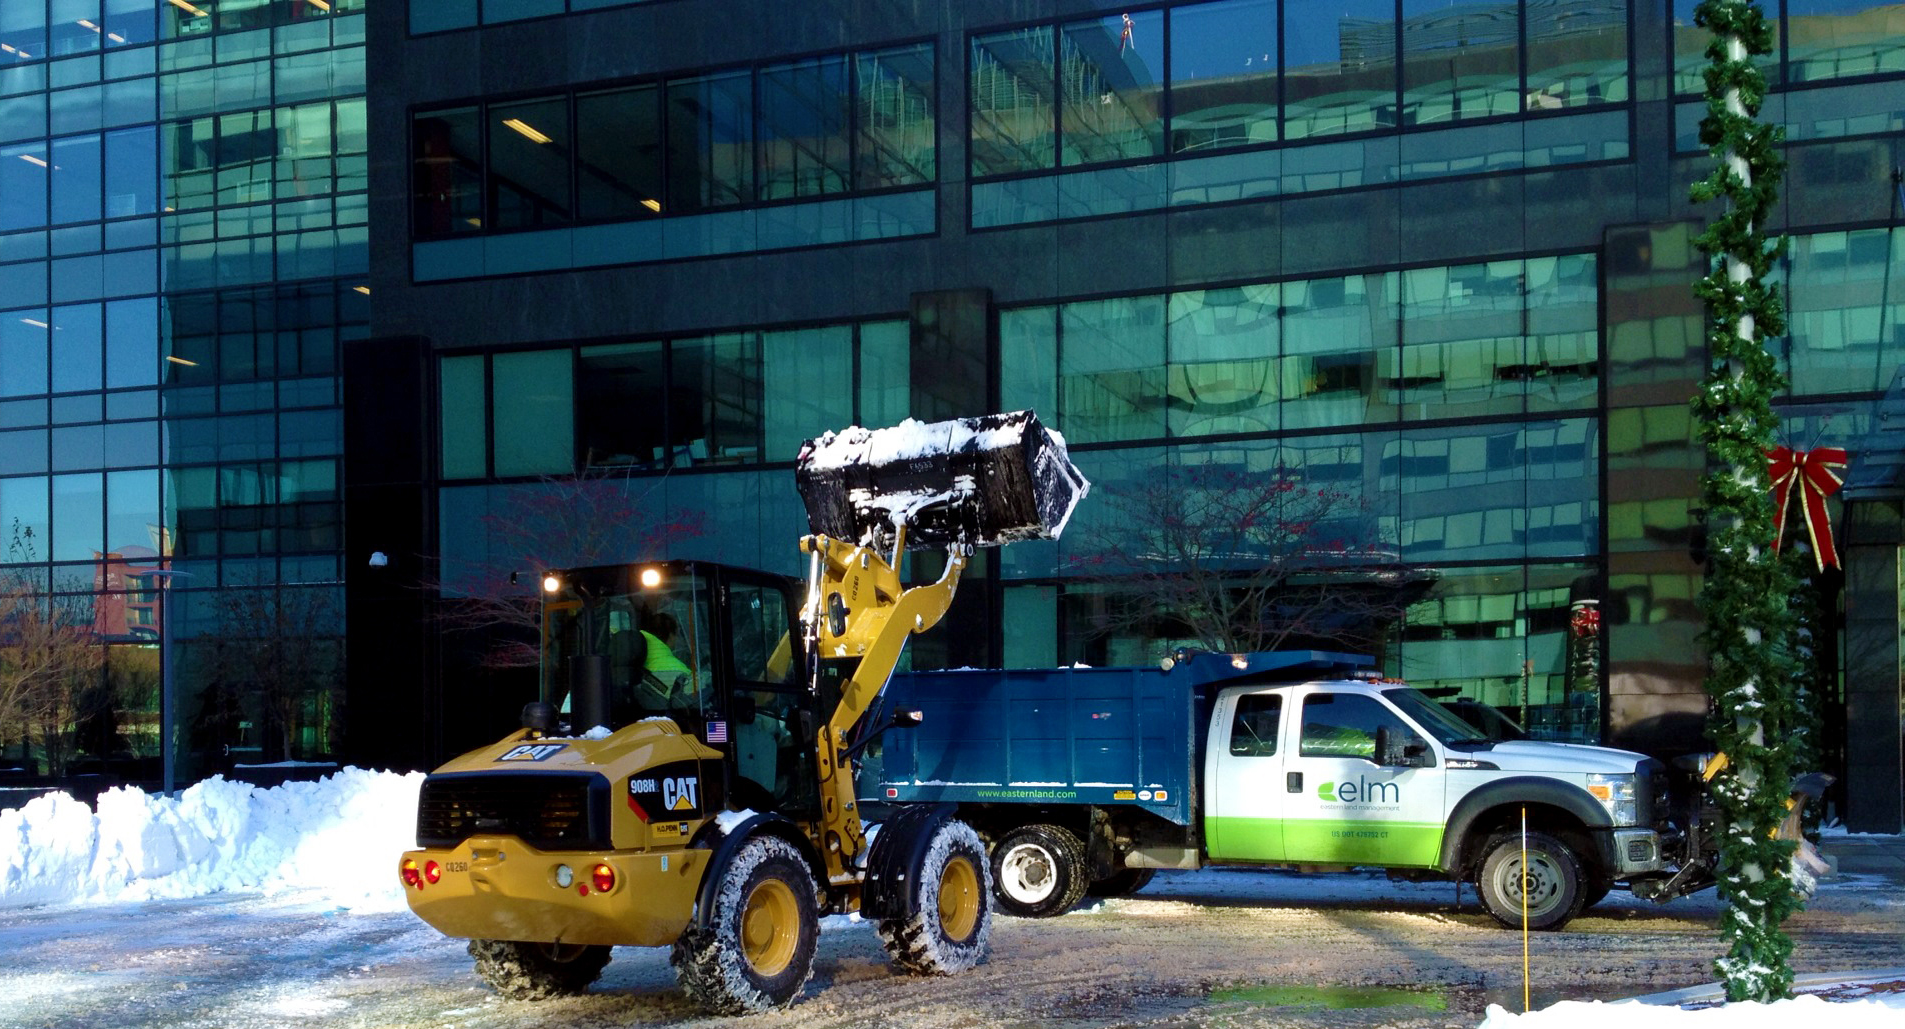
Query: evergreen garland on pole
x,y
1745,597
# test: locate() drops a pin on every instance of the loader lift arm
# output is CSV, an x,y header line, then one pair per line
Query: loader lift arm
x,y
873,627
872,494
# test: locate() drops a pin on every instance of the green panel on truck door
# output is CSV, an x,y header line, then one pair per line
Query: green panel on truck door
x,y
1391,844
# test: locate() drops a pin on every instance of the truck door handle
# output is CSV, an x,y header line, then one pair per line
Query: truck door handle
x,y
1293,782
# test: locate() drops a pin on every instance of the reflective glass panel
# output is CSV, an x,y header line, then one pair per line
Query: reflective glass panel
x,y
23,519
132,172
1223,75
1829,39
532,409
75,180
1028,360
618,154
1339,72
23,342
1012,82
1461,342
22,31
804,135
622,406
1223,346
23,175
893,94
78,350
465,421
1846,316
809,368
715,399
1460,60
885,373
1111,88
1563,325
710,135
79,527
1332,330
1577,53
446,173
529,147
1111,370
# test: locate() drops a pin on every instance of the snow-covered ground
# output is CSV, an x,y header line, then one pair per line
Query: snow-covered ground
x,y
313,865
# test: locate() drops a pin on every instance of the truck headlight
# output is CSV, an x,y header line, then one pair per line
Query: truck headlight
x,y
1617,793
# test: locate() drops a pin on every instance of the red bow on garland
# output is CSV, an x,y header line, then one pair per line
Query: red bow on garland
x,y
1813,471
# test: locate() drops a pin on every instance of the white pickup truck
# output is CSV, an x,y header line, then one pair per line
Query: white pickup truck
x,y
1089,779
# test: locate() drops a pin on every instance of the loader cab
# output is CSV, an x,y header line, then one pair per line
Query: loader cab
x,y
713,648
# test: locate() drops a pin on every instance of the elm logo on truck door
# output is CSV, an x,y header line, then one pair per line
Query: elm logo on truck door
x,y
671,791
1362,791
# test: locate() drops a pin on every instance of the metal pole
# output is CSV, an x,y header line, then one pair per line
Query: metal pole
x,y
168,777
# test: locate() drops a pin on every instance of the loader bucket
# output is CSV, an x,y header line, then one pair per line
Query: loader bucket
x,y
982,481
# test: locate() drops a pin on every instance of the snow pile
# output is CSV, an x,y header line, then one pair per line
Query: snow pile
x,y
340,836
1882,1010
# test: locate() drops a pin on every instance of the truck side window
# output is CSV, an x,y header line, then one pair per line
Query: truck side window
x,y
762,643
1253,733
1344,725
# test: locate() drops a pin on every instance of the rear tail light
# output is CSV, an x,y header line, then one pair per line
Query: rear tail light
x,y
604,878
432,872
411,877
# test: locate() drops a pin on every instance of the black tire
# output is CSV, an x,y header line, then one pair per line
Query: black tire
x,y
1122,883
757,948
952,929
1554,882
537,971
1038,871
1595,892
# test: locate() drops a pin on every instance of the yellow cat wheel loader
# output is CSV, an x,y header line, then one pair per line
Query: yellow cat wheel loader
x,y
686,777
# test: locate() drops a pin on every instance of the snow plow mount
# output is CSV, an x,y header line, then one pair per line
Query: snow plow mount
x,y
978,482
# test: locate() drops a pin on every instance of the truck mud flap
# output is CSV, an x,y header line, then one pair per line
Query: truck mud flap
x,y
980,481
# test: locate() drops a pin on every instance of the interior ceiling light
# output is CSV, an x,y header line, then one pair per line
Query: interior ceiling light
x,y
535,135
652,204
22,54
115,37
176,359
188,8
30,159
35,322
362,289
319,4
83,23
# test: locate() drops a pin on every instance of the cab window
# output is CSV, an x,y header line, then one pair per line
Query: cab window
x,y
1344,725
1253,733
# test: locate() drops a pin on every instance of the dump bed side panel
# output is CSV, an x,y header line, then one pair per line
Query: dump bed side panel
x,y
1043,736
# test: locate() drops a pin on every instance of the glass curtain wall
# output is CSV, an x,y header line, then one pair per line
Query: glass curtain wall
x,y
168,453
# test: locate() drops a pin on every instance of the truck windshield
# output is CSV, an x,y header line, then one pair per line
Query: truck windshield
x,y
649,645
1433,716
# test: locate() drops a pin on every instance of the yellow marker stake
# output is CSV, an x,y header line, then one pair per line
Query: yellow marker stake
x,y
1525,877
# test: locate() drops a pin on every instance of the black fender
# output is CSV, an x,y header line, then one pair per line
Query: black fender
x,y
1515,793
899,848
726,844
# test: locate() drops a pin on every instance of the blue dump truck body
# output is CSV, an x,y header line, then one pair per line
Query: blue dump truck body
x,y
1066,736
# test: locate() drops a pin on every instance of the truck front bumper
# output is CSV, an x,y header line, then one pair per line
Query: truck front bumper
x,y
499,888
1637,852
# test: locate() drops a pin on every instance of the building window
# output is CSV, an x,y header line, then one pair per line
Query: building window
x,y
826,126
618,154
1223,75
1460,60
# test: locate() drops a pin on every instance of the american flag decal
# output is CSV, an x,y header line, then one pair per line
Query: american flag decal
x,y
717,732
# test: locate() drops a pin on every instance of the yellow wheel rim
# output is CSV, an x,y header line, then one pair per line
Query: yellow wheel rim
x,y
770,927
959,899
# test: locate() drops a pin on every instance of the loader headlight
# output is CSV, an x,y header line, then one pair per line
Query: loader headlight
x,y
1617,793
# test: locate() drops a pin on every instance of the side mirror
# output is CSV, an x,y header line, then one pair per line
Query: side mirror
x,y
1399,749
907,719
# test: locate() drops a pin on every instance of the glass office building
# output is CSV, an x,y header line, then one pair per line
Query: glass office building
x,y
183,248
1432,257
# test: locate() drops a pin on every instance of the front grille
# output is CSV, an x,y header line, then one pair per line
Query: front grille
x,y
547,810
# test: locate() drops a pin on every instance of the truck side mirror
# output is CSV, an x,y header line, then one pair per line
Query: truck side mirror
x,y
907,719
1399,749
